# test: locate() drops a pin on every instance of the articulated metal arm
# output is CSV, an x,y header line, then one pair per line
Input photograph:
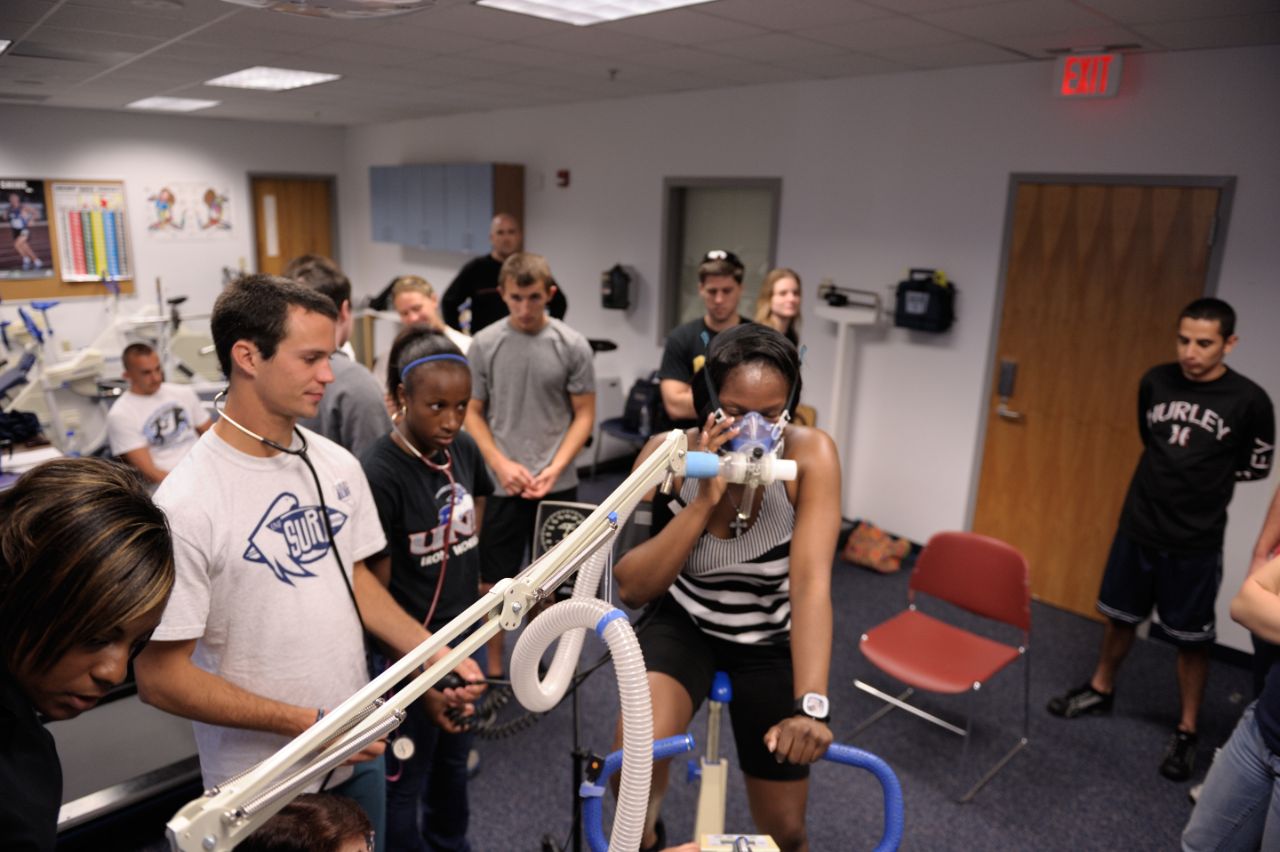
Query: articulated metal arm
x,y
228,813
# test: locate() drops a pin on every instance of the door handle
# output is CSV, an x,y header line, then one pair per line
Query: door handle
x,y
1009,414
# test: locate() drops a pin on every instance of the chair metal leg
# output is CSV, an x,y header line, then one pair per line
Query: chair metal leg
x,y
991,773
902,705
595,457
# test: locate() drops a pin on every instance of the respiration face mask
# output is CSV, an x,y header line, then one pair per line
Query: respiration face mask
x,y
757,435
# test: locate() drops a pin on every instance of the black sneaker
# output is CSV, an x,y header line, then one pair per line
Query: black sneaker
x,y
1078,702
1179,757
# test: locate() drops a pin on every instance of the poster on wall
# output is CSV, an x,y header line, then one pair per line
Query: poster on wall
x,y
26,250
93,231
189,210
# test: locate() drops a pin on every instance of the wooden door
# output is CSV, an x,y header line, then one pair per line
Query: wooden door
x,y
292,216
1095,278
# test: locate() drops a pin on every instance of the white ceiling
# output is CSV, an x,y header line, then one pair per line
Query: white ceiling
x,y
455,57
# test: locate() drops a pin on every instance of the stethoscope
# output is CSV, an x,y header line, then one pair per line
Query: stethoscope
x,y
301,453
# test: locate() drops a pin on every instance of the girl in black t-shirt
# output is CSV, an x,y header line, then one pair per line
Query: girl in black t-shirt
x,y
429,483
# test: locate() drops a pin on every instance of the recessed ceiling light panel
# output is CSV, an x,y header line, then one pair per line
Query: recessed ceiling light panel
x,y
582,13
347,9
271,79
5,44
172,104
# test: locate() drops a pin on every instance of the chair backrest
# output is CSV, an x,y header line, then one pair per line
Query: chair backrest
x,y
643,393
977,573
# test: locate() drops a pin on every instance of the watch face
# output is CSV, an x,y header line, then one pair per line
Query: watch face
x,y
815,705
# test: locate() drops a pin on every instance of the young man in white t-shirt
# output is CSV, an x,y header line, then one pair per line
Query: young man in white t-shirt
x,y
263,630
154,424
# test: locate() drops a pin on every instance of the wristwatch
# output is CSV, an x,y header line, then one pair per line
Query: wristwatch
x,y
815,706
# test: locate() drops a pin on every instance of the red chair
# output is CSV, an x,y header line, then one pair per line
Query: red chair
x,y
983,576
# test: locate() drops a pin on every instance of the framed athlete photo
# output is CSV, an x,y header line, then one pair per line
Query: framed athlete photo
x,y
26,247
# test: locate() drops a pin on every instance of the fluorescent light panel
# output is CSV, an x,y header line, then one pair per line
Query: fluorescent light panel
x,y
582,13
172,104
5,44
271,79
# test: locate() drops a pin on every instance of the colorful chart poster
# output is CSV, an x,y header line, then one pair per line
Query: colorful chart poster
x,y
26,251
93,230
189,210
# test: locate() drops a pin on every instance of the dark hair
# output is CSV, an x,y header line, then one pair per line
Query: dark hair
x,y
135,350
415,341
720,262
83,551
746,343
313,822
525,268
1212,309
320,274
256,308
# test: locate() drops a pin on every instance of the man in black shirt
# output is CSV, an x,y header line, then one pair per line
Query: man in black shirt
x,y
1204,427
720,286
478,281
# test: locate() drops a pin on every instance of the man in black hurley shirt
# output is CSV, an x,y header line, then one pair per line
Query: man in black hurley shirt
x,y
478,281
1203,427
720,286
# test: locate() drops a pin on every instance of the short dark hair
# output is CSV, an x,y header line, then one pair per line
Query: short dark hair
x,y
525,268
256,308
746,343
135,350
720,262
83,551
1212,309
313,822
321,274
415,341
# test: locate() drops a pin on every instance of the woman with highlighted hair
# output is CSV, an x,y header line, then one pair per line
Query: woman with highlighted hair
x,y
429,483
778,305
86,567
738,579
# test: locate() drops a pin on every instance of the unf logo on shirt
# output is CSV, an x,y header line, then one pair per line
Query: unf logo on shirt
x,y
166,425
290,536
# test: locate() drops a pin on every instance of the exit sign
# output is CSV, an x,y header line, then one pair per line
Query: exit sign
x,y
1088,75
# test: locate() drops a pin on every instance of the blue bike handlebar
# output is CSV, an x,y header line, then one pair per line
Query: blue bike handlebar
x,y
592,812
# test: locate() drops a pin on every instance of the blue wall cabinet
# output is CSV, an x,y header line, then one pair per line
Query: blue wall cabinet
x,y
443,206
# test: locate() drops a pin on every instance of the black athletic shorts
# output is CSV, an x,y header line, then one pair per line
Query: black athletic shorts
x,y
1183,588
507,533
760,675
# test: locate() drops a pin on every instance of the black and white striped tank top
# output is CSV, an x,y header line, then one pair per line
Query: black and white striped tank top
x,y
738,589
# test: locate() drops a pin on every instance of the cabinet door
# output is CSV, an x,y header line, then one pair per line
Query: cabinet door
x,y
423,216
455,211
386,203
480,210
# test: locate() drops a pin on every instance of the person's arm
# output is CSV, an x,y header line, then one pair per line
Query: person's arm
x,y
647,570
1257,605
799,739
456,293
512,476
575,438
141,459
380,567
1269,537
677,399
168,679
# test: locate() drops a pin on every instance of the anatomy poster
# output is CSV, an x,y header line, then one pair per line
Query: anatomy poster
x,y
189,210
26,251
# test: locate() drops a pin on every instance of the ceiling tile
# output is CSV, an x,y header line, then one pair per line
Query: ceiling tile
x,y
239,32
1149,11
486,23
468,68
432,40
679,59
596,42
118,21
1047,44
842,65
20,14
912,7
946,55
1215,32
525,55
1019,18
86,41
770,46
680,26
881,33
49,71
793,14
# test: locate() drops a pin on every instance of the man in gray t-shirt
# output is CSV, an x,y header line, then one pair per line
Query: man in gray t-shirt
x,y
532,409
